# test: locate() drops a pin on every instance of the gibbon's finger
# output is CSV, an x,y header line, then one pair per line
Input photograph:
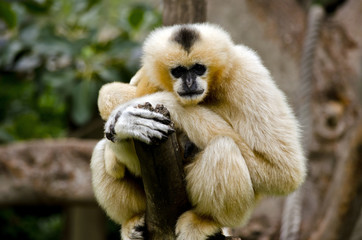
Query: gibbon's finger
x,y
110,124
141,136
110,136
123,119
145,134
150,123
156,141
109,129
144,113
126,125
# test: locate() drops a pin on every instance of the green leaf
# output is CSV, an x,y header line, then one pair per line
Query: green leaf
x,y
7,14
62,82
135,17
38,7
7,55
84,98
108,74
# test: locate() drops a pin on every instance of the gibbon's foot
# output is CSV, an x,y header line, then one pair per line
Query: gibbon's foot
x,y
191,226
134,228
139,123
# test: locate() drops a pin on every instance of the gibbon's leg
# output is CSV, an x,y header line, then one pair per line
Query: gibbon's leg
x,y
112,165
123,198
273,172
134,228
220,188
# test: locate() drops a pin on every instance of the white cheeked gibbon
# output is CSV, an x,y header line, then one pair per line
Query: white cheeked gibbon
x,y
226,102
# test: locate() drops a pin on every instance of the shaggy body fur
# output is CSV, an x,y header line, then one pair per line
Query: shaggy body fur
x,y
248,134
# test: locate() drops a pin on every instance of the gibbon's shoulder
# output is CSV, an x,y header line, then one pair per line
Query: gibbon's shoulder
x,y
249,59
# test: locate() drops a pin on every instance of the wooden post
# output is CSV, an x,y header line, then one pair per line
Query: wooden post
x,y
185,11
163,180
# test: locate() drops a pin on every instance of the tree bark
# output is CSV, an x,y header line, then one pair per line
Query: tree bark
x,y
163,181
185,11
84,222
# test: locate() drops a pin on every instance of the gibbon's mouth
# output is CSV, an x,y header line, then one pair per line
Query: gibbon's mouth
x,y
191,93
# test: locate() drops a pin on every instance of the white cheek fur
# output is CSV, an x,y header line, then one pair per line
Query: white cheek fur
x,y
177,86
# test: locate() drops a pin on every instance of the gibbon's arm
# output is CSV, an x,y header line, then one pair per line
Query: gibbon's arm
x,y
122,153
269,131
109,160
113,94
121,96
185,117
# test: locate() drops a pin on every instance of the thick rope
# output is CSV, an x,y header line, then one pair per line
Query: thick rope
x,y
292,216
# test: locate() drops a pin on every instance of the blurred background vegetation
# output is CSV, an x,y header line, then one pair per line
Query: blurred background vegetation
x,y
54,56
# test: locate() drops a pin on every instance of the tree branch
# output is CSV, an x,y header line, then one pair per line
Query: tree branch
x,y
163,180
46,171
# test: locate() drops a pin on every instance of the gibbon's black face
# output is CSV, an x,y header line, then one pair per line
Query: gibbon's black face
x,y
189,78
189,85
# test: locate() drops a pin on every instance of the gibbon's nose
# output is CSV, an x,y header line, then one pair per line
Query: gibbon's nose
x,y
189,80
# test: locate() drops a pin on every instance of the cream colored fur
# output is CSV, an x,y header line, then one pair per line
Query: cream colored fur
x,y
121,198
248,135
129,228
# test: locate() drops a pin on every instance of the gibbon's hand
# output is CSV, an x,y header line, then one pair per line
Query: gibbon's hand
x,y
138,123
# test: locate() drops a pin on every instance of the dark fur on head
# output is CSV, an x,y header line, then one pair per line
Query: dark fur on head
x,y
186,37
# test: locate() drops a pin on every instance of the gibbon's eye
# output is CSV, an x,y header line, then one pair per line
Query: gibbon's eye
x,y
198,69
177,72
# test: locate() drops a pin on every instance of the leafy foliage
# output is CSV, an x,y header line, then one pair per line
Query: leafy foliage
x,y
55,55
21,223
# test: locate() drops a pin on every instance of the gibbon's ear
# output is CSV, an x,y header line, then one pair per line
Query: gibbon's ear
x,y
113,94
143,83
